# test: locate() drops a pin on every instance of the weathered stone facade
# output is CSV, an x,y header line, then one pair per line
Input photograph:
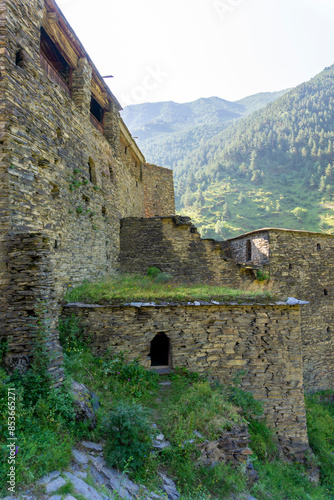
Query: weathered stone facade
x,y
69,170
300,264
173,245
158,201
219,340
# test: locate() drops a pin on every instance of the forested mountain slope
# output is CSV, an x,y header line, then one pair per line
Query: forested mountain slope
x,y
273,168
167,131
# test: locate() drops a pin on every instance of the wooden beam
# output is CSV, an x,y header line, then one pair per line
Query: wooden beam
x,y
60,39
99,93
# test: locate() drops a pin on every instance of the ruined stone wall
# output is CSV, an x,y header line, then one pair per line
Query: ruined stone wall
x,y
300,265
4,219
252,249
158,202
173,245
263,340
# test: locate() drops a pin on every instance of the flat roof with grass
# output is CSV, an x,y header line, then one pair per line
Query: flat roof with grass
x,y
159,289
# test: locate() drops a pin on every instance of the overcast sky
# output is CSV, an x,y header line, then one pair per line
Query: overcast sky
x,y
181,50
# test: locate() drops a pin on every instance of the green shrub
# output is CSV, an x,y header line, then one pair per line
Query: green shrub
x,y
71,335
163,277
263,442
153,272
129,438
245,400
320,427
261,275
137,380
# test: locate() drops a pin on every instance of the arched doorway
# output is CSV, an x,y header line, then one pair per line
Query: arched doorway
x,y
160,350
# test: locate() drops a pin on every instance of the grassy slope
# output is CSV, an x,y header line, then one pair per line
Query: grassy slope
x,y
47,431
276,160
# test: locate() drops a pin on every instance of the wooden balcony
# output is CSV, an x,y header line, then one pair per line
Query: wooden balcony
x,y
95,122
54,75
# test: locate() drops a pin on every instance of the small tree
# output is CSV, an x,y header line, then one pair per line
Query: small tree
x,y
299,212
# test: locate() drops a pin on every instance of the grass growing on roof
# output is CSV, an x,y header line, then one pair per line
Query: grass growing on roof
x,y
125,288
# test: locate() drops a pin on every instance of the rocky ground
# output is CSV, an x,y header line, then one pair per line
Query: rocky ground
x,y
91,479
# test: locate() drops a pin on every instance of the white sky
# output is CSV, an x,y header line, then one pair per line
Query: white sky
x,y
181,50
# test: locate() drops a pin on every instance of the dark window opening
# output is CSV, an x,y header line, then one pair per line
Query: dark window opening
x,y
104,211
328,329
125,150
290,267
248,250
56,244
20,58
160,350
54,64
111,174
318,246
92,171
54,191
325,292
96,114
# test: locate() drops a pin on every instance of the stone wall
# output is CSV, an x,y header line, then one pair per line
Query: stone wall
x,y
251,249
63,174
157,202
4,220
173,245
218,340
300,265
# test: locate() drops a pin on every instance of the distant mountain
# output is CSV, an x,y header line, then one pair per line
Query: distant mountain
x,y
167,131
272,168
266,160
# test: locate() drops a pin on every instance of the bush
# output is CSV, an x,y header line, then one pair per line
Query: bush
x,y
245,400
153,272
320,428
71,335
262,442
129,437
137,380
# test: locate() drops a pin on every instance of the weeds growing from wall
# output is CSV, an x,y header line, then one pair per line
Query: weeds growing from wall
x,y
160,288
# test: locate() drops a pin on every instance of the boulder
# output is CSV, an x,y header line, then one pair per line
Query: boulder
x,y
82,404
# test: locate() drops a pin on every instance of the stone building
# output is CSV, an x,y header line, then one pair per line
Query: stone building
x,y
78,201
70,170
299,264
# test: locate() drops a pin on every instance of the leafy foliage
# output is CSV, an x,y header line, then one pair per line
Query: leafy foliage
x,y
320,425
129,437
71,334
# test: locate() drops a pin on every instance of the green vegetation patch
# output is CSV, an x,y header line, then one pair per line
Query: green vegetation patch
x,y
162,287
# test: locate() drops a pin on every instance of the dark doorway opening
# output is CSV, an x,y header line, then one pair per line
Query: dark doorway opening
x,y
160,350
248,250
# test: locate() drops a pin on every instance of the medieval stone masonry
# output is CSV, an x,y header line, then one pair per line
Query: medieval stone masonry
x,y
219,340
70,170
78,201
